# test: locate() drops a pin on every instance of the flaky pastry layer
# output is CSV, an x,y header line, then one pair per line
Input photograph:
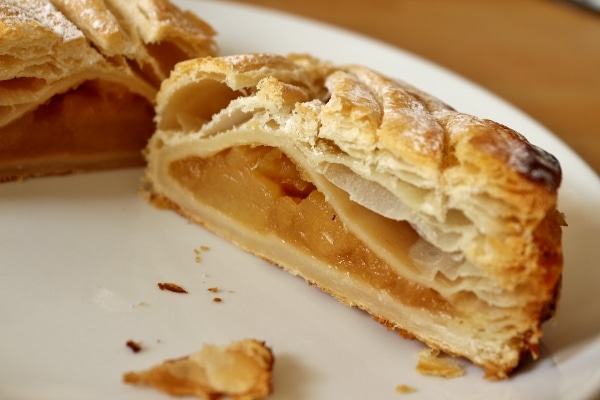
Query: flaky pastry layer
x,y
51,48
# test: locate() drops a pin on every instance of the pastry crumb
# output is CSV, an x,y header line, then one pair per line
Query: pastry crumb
x,y
136,347
218,300
431,362
213,289
241,370
171,287
405,389
198,252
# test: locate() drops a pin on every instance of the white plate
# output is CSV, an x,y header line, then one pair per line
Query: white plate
x,y
81,256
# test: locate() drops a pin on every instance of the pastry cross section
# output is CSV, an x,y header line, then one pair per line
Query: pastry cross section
x,y
439,224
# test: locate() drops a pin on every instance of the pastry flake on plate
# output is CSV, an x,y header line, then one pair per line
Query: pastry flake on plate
x,y
241,370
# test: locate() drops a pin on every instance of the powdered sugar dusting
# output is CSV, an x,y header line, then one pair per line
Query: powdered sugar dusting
x,y
98,24
45,15
510,146
242,59
90,15
420,128
405,120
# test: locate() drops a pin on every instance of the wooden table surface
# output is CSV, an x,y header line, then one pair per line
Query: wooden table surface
x,y
543,56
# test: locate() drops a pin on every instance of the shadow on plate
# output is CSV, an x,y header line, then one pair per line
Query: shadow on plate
x,y
291,378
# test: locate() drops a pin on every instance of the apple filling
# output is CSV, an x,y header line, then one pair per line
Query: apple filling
x,y
278,200
98,125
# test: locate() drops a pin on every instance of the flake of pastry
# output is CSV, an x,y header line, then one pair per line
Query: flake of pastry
x,y
241,370
171,287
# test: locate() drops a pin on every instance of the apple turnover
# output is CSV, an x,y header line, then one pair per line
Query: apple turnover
x,y
439,224
79,79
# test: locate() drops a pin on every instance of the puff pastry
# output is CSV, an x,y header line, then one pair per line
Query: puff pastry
x,y
79,78
241,370
439,224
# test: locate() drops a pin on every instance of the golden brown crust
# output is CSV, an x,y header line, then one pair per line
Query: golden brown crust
x,y
241,370
472,200
156,35
52,48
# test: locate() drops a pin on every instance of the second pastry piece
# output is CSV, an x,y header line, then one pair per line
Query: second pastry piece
x,y
439,224
79,79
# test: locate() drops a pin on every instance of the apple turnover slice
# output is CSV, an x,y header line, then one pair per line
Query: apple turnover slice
x,y
79,79
439,224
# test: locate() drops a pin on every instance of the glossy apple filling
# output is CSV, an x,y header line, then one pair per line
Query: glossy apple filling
x,y
264,190
96,120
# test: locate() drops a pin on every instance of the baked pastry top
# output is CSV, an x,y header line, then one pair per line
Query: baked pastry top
x,y
439,224
79,77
